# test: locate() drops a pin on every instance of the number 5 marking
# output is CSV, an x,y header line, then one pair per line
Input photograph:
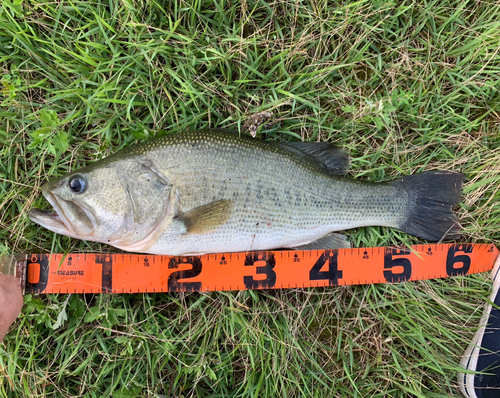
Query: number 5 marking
x,y
403,265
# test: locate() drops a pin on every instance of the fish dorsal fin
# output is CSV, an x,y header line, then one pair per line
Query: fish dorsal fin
x,y
331,159
206,218
330,241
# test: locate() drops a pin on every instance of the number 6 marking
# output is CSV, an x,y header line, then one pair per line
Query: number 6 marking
x,y
452,259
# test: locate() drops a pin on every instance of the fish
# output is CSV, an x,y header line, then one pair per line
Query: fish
x,y
216,191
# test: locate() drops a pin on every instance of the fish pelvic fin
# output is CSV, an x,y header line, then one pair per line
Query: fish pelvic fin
x,y
329,241
433,195
207,218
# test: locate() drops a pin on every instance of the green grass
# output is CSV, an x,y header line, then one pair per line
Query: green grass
x,y
405,86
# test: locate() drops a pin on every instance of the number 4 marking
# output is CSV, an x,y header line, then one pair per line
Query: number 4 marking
x,y
332,274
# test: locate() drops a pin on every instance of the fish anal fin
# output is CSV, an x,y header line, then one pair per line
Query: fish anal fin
x,y
330,158
206,218
330,241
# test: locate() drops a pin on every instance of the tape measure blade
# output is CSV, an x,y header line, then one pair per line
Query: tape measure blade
x,y
132,273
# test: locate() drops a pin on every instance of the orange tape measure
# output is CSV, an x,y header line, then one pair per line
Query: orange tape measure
x,y
139,273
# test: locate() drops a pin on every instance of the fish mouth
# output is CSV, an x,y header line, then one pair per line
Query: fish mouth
x,y
67,218
50,220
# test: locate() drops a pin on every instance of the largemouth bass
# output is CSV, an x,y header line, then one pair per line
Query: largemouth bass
x,y
215,191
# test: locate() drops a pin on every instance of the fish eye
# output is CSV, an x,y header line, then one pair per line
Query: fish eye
x,y
77,184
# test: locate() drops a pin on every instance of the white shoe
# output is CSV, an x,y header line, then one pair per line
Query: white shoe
x,y
483,353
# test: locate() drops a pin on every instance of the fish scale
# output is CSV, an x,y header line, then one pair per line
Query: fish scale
x,y
292,216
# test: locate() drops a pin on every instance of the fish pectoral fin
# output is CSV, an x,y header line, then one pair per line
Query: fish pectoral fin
x,y
330,158
330,241
206,218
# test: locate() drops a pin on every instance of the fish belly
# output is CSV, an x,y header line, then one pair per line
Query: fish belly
x,y
278,216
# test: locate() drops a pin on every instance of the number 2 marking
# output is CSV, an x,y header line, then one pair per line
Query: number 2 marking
x,y
173,279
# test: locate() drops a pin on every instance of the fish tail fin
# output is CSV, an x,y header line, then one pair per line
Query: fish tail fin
x,y
433,195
